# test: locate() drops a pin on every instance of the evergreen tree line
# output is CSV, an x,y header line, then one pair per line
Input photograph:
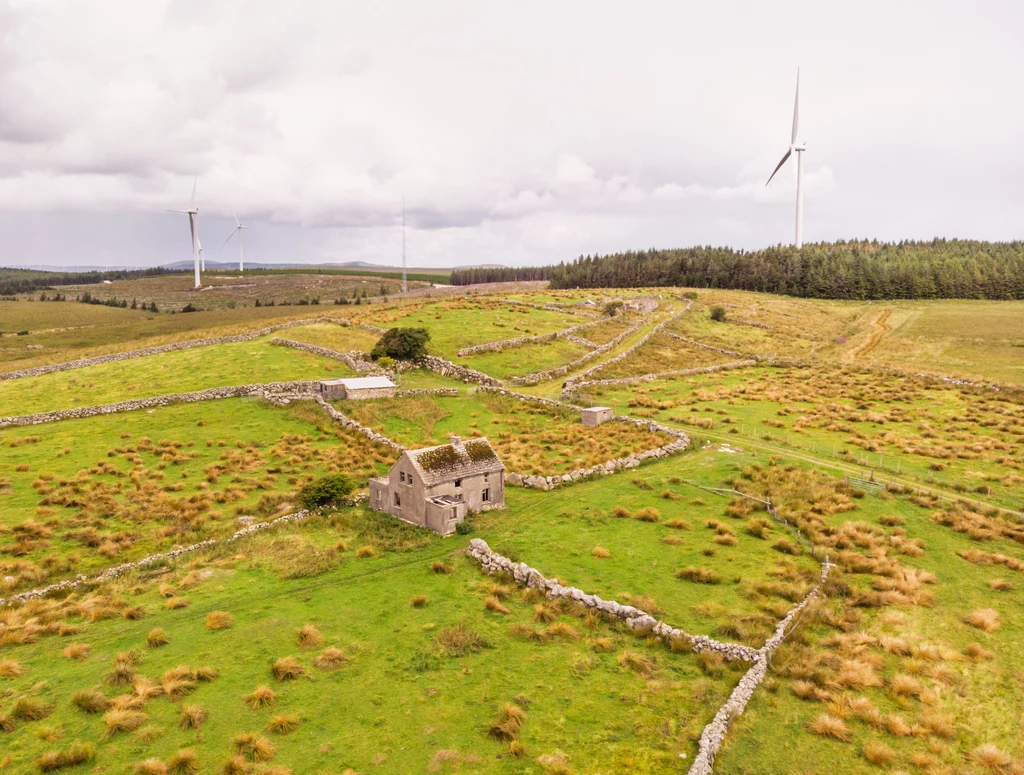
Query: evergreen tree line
x,y
939,269
498,274
38,280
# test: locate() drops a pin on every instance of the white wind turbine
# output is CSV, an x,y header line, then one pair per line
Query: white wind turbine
x,y
237,230
193,225
799,149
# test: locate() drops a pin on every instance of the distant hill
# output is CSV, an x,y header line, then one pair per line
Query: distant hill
x,y
940,269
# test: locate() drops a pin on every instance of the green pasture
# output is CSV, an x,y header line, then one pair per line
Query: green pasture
x,y
527,359
332,336
237,363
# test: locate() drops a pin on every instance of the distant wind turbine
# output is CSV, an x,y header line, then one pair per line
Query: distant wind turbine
x,y
405,284
193,225
799,148
237,230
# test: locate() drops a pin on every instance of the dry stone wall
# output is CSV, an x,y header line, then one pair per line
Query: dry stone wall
x,y
452,392
278,392
702,346
558,371
569,393
636,619
354,360
165,348
454,371
351,424
519,341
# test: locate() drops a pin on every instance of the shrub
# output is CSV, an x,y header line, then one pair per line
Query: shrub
x,y
718,314
192,717
698,575
157,637
183,762
78,651
330,658
986,619
90,701
261,697
828,725
507,723
287,669
308,636
600,552
219,620
325,491
401,344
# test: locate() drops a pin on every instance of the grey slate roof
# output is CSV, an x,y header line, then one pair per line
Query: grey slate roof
x,y
446,462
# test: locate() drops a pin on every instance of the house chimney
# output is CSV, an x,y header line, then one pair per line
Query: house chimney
x,y
455,441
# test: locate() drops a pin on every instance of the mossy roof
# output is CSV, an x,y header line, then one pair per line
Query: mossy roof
x,y
445,462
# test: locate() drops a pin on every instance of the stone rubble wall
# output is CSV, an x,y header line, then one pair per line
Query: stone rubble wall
x,y
558,371
634,618
453,392
751,323
569,393
551,308
374,329
519,341
702,346
629,350
714,733
119,570
454,371
351,424
581,341
354,360
527,397
277,392
165,348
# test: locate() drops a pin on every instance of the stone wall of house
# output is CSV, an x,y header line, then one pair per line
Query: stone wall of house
x,y
277,392
354,359
629,350
454,371
519,341
351,424
165,348
635,618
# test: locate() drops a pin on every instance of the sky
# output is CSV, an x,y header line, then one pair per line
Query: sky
x,y
517,133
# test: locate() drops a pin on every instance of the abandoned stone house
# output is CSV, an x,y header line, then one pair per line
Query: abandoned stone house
x,y
357,387
435,487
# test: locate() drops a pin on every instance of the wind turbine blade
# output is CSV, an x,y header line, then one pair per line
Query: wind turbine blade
x,y
796,107
232,234
236,220
194,181
779,166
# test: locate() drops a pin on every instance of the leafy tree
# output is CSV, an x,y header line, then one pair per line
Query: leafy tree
x,y
612,308
718,314
402,344
326,490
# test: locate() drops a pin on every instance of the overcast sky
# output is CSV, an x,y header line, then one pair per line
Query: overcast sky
x,y
519,133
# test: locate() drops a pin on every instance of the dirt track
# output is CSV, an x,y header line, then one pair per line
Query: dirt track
x,y
881,329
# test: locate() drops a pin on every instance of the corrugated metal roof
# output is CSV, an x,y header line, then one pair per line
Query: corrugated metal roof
x,y
364,383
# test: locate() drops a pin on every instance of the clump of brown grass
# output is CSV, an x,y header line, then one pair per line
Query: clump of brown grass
x,y
896,725
235,765
366,551
991,757
636,662
287,669
555,763
192,717
283,724
459,640
183,762
72,756
712,663
620,512
205,674
77,651
439,566
648,514
508,722
828,725
977,653
600,552
698,575
9,668
151,766
30,709
679,524
602,645
493,603
938,725
308,637
877,753
905,686
786,546
254,747
90,701
331,658
157,637
544,613
419,601
219,620
123,720
260,697
1001,585
986,619
562,630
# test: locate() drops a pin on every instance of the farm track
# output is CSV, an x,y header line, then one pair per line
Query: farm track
x,y
881,329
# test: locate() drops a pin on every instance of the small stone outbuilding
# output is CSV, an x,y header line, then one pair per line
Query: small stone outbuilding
x,y
356,388
595,415
435,487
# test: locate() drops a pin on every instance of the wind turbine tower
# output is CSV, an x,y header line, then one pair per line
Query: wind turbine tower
x,y
798,149
405,283
237,230
193,225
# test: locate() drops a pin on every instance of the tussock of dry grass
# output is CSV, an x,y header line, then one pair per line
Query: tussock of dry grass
x,y
459,640
10,668
183,762
508,722
287,669
418,601
261,697
77,651
283,724
72,756
698,575
254,747
493,603
308,637
219,620
90,701
157,637
438,566
149,766
878,753
122,720
986,619
600,552
828,725
191,717
636,662
991,757
331,658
